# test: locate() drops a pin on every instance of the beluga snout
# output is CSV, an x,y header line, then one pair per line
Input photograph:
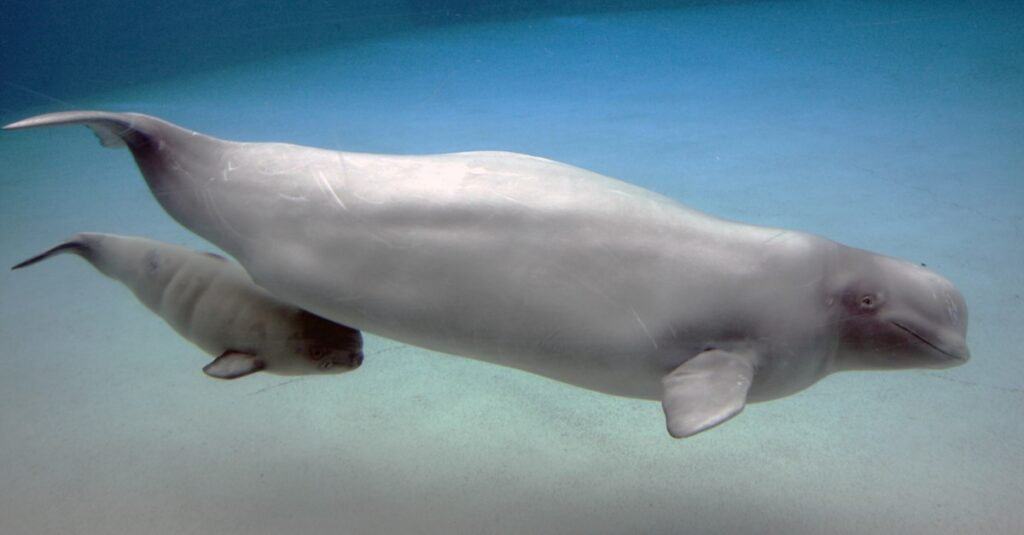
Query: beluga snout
x,y
897,314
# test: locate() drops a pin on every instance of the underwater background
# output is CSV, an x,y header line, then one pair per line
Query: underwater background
x,y
893,126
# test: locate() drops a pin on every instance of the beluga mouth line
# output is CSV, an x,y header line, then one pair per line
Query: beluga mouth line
x,y
928,342
545,267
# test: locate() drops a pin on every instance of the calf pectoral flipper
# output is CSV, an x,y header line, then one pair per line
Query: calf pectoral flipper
x,y
706,391
233,364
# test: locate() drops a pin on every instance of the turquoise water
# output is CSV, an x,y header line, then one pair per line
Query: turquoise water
x,y
896,127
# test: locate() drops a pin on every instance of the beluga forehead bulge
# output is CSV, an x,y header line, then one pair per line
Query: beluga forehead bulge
x,y
545,267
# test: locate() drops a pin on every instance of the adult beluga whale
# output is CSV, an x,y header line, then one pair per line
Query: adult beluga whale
x,y
538,265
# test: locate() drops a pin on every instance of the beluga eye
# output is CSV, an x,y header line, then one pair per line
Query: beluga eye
x,y
868,302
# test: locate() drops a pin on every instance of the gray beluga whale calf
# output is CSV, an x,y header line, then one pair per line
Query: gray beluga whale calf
x,y
213,303
545,267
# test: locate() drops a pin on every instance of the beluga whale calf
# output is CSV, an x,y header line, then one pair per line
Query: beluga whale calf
x,y
213,303
538,265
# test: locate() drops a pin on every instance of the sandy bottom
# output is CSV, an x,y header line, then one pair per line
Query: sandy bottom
x,y
896,129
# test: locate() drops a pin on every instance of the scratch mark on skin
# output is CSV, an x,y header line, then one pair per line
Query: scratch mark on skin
x,y
644,327
211,205
512,199
367,201
812,282
328,188
224,172
672,328
293,198
265,164
777,234
579,280
343,177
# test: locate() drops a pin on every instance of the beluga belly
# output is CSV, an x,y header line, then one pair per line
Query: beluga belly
x,y
545,267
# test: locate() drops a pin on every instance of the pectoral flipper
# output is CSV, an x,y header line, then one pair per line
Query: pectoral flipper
x,y
706,391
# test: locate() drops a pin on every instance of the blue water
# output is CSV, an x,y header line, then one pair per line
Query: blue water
x,y
895,127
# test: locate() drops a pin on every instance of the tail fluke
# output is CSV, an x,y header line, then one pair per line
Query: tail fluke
x,y
135,130
71,246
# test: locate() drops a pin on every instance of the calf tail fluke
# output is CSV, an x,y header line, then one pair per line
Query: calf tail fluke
x,y
114,129
75,246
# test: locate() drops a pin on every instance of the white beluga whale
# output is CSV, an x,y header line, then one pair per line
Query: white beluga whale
x,y
213,303
545,267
